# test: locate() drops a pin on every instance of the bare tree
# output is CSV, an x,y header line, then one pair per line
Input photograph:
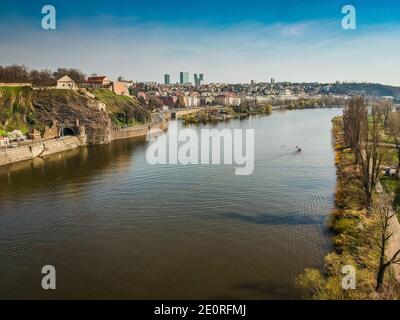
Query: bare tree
x,y
385,213
75,74
42,78
14,73
17,73
393,129
354,115
370,153
385,107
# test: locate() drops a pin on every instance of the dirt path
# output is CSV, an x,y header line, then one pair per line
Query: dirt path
x,y
394,241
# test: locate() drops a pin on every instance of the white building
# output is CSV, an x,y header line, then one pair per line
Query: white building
x,y
4,142
66,83
227,99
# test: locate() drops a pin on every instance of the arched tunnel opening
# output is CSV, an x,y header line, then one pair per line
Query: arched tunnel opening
x,y
67,132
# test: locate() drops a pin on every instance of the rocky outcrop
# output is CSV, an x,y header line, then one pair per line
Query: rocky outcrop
x,y
100,112
67,107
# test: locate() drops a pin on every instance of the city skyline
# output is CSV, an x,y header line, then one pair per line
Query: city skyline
x,y
253,43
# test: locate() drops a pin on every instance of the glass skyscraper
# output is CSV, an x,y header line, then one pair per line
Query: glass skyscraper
x,y
167,79
198,79
184,77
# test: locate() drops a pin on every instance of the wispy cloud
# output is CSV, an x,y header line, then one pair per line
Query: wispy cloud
x,y
316,50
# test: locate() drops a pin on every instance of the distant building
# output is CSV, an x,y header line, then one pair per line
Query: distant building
x,y
66,83
184,77
169,101
167,79
98,82
272,81
326,88
198,79
227,99
120,88
206,101
4,141
188,101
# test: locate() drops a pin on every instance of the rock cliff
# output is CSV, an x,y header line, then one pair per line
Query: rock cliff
x,y
100,111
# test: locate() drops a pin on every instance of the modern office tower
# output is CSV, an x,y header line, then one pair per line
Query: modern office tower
x,y
198,79
167,79
272,81
184,77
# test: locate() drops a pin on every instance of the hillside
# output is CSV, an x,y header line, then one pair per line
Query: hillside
x,y
369,89
25,109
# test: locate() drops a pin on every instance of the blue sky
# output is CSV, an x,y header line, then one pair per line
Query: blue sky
x,y
228,41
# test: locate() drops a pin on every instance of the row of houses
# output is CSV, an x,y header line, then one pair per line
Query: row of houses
x,y
194,99
96,82
191,100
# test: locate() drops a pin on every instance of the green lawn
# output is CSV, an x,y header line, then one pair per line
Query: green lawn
x,y
15,90
392,185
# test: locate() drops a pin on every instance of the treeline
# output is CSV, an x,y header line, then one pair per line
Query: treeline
x,y
305,103
18,73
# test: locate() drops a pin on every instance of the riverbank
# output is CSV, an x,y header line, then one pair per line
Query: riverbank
x,y
43,148
355,236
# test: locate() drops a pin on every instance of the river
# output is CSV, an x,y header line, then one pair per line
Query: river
x,y
114,226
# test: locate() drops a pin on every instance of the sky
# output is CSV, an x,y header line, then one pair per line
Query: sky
x,y
227,41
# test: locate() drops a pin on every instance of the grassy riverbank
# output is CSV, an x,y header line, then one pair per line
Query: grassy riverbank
x,y
355,235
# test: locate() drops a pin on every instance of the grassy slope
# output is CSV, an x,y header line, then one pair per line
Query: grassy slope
x,y
24,109
116,104
15,106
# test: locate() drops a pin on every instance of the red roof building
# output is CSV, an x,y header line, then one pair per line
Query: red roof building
x,y
98,81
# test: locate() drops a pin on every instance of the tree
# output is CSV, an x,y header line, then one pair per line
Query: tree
x,y
155,103
75,74
385,107
393,129
354,115
14,73
42,78
385,214
370,153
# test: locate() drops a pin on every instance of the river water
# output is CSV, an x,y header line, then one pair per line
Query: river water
x,y
114,226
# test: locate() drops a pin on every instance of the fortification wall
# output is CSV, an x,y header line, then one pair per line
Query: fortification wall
x,y
42,148
51,146
138,131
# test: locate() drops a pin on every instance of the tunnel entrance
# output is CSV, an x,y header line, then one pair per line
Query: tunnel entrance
x,y
67,132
